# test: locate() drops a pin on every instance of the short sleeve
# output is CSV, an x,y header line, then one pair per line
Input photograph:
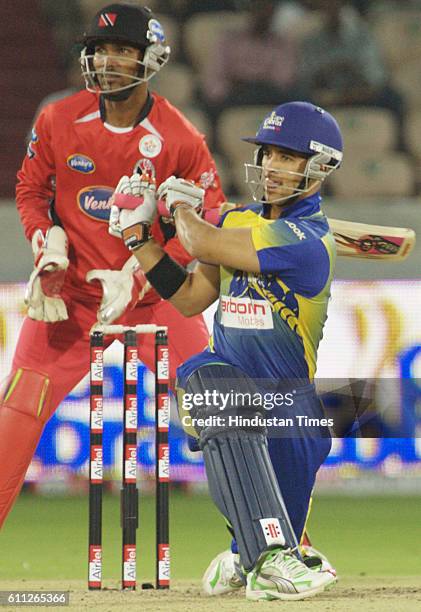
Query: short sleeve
x,y
295,255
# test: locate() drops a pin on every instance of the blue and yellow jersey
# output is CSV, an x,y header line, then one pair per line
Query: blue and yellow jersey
x,y
270,324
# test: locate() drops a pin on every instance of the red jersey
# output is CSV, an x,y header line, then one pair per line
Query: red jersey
x,y
77,159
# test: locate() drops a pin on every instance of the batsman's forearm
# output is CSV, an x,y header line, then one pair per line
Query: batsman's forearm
x,y
149,254
170,280
166,276
193,233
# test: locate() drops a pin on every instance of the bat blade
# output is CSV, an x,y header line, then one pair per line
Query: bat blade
x,y
372,241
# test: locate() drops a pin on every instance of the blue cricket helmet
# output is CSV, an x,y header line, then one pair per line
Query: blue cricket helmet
x,y
301,127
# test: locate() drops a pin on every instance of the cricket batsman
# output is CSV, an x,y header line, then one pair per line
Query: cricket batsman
x,y
79,149
270,265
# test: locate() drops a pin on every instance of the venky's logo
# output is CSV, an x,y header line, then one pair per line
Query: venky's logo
x,y
81,163
95,201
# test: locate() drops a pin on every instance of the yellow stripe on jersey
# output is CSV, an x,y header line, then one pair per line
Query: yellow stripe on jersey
x,y
313,312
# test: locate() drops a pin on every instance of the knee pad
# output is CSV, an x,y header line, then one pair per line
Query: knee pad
x,y
208,380
28,392
226,393
24,409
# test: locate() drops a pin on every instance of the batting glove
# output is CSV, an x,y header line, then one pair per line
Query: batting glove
x,y
122,289
133,209
179,191
42,295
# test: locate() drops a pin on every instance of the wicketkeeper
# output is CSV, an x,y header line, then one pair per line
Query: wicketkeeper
x,y
79,149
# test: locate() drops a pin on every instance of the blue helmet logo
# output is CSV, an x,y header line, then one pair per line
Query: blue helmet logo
x,y
81,163
94,201
273,122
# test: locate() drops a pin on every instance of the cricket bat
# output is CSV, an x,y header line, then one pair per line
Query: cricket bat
x,y
365,240
372,241
352,239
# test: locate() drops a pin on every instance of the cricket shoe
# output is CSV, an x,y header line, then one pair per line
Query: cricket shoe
x,y
223,574
278,574
316,560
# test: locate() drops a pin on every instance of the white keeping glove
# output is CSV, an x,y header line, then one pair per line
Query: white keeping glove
x,y
177,190
42,295
122,289
133,209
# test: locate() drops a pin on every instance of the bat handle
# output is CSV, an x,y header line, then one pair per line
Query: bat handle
x,y
211,215
130,202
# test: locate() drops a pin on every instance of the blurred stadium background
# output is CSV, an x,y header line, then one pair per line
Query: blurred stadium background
x,y
374,327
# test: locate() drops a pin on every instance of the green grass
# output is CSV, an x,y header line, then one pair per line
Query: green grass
x,y
46,537
369,536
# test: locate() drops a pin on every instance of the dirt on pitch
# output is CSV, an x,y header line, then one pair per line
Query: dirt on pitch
x,y
362,593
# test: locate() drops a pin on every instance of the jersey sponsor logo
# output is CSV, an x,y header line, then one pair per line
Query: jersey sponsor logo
x,y
244,313
150,145
299,233
273,122
144,166
95,201
81,163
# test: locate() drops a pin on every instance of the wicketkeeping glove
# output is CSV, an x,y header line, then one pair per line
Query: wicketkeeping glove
x,y
133,209
42,295
122,289
175,190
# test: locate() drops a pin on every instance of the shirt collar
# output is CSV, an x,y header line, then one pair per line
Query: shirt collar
x,y
143,113
303,208
306,207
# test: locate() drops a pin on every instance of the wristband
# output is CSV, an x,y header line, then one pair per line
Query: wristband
x,y
166,277
136,235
